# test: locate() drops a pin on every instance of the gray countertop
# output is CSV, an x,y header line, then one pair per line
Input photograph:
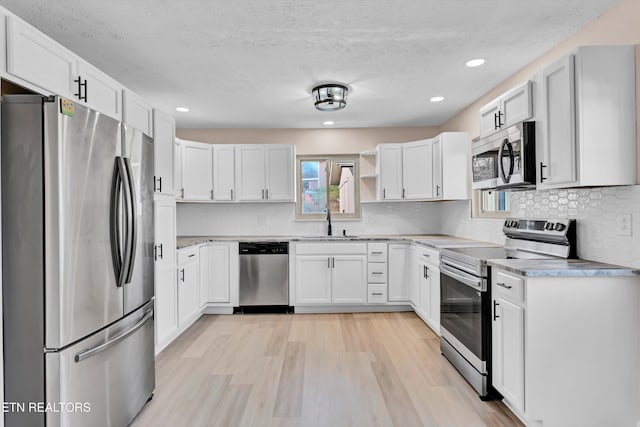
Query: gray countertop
x,y
561,268
431,240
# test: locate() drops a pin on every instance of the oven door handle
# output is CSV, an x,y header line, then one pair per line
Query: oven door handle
x,y
467,279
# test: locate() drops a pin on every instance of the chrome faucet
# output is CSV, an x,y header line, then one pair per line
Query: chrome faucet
x,y
329,222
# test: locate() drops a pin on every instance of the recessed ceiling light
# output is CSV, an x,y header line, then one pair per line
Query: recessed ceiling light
x,y
182,109
474,62
437,99
329,123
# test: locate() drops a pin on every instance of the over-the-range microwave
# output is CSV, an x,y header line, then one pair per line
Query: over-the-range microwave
x,y
505,160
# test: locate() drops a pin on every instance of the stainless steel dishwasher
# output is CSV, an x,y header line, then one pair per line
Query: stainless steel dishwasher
x,y
264,276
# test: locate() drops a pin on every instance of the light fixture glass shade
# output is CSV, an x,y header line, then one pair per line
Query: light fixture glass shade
x,y
330,97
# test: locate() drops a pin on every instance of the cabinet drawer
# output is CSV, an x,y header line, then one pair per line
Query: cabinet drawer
x,y
428,255
188,254
508,285
377,294
377,272
377,252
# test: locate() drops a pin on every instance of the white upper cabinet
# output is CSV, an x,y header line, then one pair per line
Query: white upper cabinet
x,y
390,172
98,91
197,171
451,166
589,136
137,112
279,183
224,172
417,173
39,60
512,107
163,140
264,172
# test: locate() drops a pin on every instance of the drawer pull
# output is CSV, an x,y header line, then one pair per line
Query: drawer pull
x,y
192,255
427,255
377,253
377,294
377,272
504,286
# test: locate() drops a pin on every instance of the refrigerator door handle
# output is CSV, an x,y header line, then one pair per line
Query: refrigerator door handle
x,y
115,223
85,354
132,225
126,189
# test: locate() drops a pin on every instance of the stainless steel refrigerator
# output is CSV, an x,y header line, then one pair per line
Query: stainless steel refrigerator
x,y
77,265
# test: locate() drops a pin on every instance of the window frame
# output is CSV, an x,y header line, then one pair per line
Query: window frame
x,y
336,216
478,212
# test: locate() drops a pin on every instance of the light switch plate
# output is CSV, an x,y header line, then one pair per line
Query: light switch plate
x,y
623,225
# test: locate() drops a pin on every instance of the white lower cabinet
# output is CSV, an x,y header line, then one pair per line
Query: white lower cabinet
x,y
400,274
166,307
556,341
215,273
349,279
428,287
188,287
331,273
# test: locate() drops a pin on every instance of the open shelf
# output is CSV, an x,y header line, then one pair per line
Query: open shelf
x,y
371,153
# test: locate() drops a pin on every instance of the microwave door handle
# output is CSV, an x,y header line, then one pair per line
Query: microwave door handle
x,y
505,178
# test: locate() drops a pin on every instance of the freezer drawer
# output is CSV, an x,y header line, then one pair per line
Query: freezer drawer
x,y
112,371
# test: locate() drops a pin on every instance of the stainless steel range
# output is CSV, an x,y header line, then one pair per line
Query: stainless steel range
x,y
465,301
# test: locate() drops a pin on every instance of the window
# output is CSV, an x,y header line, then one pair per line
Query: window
x,y
328,183
492,204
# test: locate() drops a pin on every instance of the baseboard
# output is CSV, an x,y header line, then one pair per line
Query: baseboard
x,y
217,310
434,328
371,308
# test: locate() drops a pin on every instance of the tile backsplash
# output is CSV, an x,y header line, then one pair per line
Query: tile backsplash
x,y
264,219
598,212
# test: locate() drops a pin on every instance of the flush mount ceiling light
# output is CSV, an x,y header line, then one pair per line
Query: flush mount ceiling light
x,y
329,123
330,97
437,99
182,109
474,62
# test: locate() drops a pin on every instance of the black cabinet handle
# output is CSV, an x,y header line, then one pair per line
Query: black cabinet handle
x,y
542,166
495,121
495,314
159,187
182,272
500,115
426,269
384,193
81,85
161,254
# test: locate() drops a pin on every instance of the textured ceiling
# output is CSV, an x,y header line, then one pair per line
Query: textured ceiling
x,y
251,63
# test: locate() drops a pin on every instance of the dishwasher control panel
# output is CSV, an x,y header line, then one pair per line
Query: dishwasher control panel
x,y
263,248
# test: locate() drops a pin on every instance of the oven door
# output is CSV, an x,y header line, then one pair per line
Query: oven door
x,y
464,315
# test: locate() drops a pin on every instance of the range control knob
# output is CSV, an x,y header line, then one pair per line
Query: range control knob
x,y
507,223
559,226
514,223
548,226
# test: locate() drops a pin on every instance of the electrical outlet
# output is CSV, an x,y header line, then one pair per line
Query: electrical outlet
x,y
623,225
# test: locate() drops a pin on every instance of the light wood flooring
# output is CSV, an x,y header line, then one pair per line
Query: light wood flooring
x,y
369,369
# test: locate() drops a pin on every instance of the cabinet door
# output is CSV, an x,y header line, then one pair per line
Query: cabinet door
x,y
423,290
349,279
37,59
516,104
177,171
163,138
399,272
279,173
137,112
507,342
101,92
224,172
433,313
313,279
390,171
219,273
204,260
437,167
166,306
197,171
165,234
250,172
417,170
489,118
559,145
188,293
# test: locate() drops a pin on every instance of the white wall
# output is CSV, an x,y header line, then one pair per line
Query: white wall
x,y
269,219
